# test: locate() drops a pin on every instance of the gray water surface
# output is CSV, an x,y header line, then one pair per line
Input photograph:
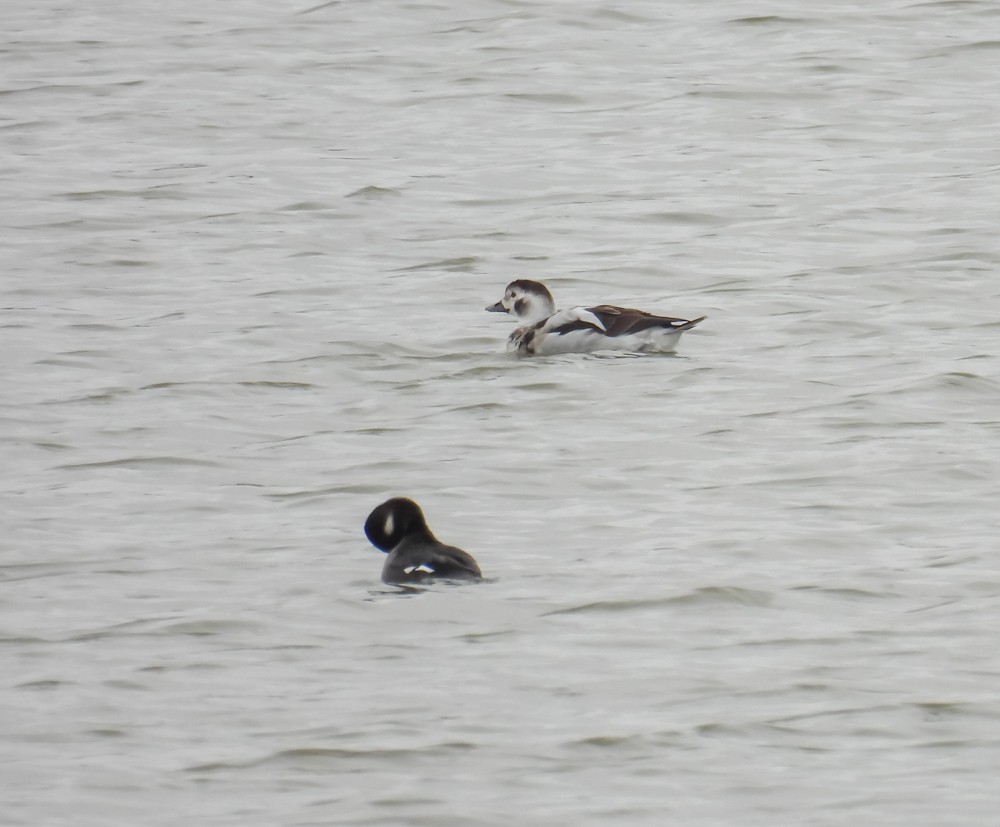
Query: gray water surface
x,y
246,247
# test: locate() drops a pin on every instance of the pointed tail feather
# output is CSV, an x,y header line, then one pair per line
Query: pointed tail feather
x,y
690,324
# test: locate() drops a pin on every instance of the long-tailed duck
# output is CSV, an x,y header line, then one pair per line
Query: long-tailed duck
x,y
545,331
398,527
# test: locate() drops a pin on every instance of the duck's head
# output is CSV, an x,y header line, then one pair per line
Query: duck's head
x,y
529,301
393,521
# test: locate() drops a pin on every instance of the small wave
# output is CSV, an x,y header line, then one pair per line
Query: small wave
x,y
207,628
320,757
676,217
767,20
557,98
373,192
463,264
43,685
306,206
976,46
140,462
264,383
327,490
704,596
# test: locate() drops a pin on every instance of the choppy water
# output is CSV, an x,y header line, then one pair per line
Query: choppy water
x,y
245,256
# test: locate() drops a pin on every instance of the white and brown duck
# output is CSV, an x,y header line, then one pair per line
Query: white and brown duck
x,y
544,331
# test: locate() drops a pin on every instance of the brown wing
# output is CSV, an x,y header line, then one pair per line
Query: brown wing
x,y
620,321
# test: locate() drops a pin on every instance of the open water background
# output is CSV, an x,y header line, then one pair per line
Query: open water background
x,y
246,247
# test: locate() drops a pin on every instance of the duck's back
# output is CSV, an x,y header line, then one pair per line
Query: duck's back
x,y
416,560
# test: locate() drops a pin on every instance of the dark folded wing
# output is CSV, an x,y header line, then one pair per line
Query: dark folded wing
x,y
620,321
455,563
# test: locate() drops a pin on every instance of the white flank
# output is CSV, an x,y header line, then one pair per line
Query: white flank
x,y
421,567
590,341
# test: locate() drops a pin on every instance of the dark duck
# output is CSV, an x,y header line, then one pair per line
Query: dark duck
x,y
398,528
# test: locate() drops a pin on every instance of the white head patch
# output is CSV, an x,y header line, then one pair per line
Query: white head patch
x,y
389,525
